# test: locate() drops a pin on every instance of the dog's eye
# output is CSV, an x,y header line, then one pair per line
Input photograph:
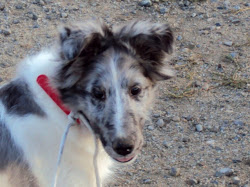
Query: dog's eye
x,y
135,90
99,94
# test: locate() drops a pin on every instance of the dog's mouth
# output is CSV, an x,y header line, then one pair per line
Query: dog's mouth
x,y
125,159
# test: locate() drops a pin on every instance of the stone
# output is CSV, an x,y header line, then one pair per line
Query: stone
x,y
247,4
235,21
145,3
228,43
166,144
2,6
179,38
64,15
192,182
176,119
237,7
175,172
150,128
185,139
217,24
238,123
233,54
224,172
193,14
19,6
1,80
146,181
199,128
16,21
160,123
163,10
6,32
236,180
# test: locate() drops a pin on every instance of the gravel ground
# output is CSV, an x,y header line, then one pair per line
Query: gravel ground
x,y
200,133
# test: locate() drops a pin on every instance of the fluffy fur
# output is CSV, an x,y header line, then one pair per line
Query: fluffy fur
x,y
107,75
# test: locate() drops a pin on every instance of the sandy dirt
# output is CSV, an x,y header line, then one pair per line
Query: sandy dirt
x,y
200,122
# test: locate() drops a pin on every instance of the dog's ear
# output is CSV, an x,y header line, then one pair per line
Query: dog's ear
x,y
153,43
82,38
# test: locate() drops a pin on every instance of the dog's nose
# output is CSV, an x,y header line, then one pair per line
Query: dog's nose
x,y
122,146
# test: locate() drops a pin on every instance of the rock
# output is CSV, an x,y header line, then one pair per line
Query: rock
x,y
6,32
235,21
1,80
179,38
199,128
34,17
176,119
64,15
185,139
238,123
163,10
145,3
150,128
228,43
247,4
16,21
146,181
217,24
233,54
2,6
160,123
193,14
236,180
191,182
224,171
211,142
36,26
166,144
19,6
237,7
175,172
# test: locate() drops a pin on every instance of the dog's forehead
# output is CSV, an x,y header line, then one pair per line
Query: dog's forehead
x,y
117,67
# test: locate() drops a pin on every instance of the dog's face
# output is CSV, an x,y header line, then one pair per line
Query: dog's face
x,y
109,76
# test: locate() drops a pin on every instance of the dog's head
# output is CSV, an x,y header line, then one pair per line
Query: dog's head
x,y
110,77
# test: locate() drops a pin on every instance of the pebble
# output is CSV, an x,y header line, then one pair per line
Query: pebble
x,y
2,6
175,172
166,144
235,21
237,7
16,21
145,3
192,182
224,171
146,181
150,128
19,6
238,123
1,80
179,38
64,15
211,142
228,43
236,180
6,32
185,139
247,4
176,119
233,54
199,128
217,24
194,14
160,123
163,10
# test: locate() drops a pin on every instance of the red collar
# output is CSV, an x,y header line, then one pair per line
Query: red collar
x,y
44,82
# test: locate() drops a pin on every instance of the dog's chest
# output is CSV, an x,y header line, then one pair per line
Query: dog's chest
x,y
39,138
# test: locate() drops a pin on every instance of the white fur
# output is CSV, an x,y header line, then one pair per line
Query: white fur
x,y
118,99
39,137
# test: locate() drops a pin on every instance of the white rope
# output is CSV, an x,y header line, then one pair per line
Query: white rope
x,y
72,122
84,121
